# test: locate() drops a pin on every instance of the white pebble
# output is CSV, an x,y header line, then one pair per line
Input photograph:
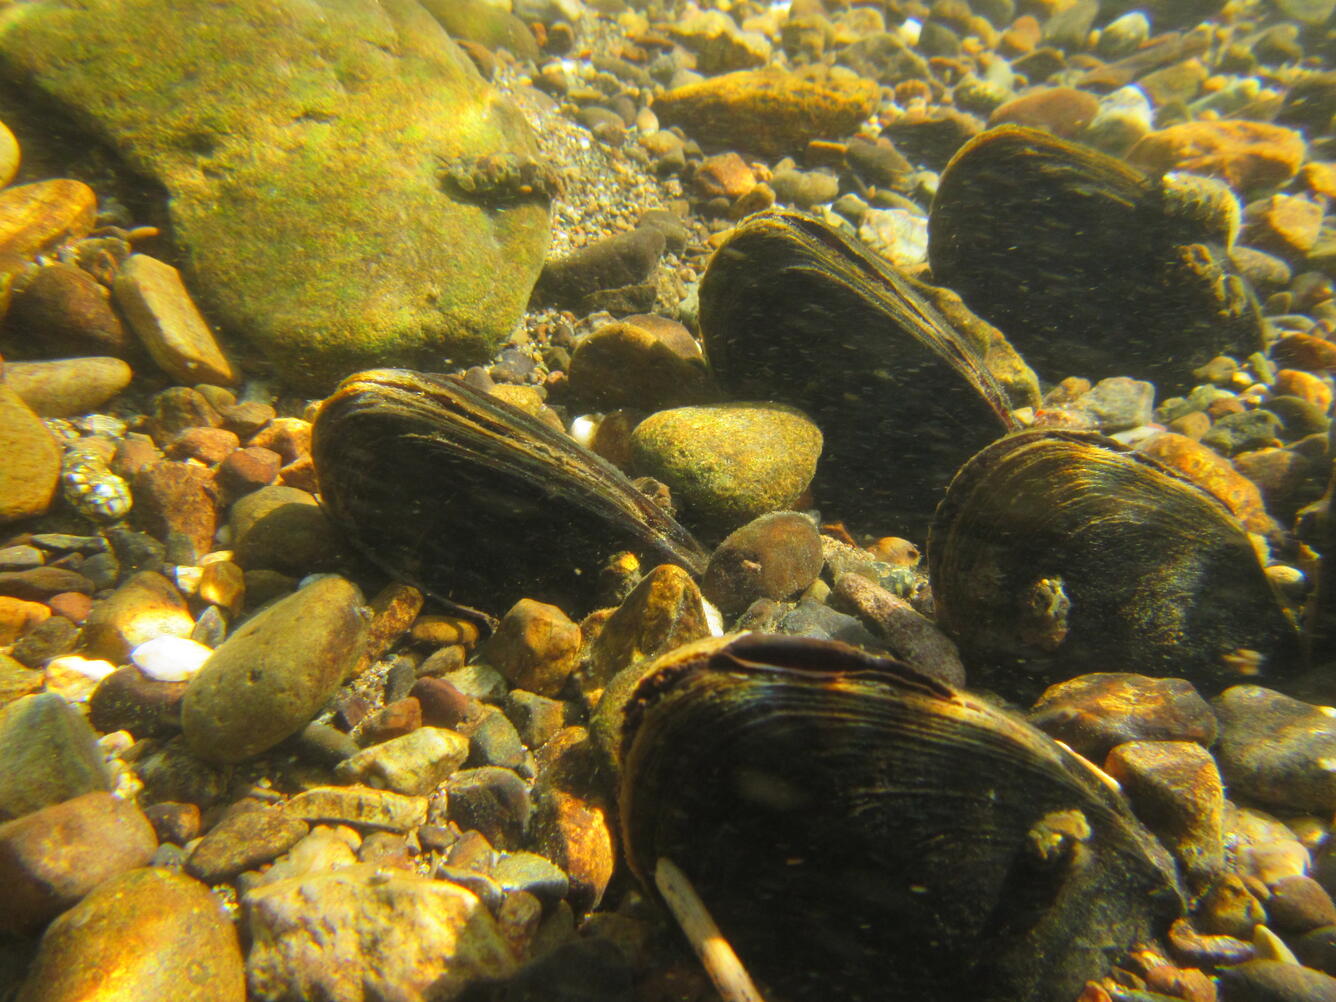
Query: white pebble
x,y
94,668
170,659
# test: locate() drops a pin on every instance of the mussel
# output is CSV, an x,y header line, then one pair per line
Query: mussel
x,y
860,831
793,311
1088,266
472,499
1056,553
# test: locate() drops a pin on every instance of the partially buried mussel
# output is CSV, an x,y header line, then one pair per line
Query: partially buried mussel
x,y
474,500
1056,553
904,383
859,831
1088,266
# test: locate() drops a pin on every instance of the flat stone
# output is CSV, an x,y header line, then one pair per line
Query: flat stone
x,y
1277,750
145,606
31,470
48,754
364,933
1175,787
167,322
35,217
53,857
360,806
146,934
769,111
529,872
492,800
360,130
1275,981
37,584
729,463
68,386
1093,713
1245,154
413,764
242,841
275,672
535,647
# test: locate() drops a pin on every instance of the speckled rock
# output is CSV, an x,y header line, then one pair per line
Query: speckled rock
x,y
729,463
1175,787
68,386
363,934
1094,712
774,556
535,647
361,806
275,672
53,857
412,764
147,934
1246,154
663,611
242,841
354,128
1277,750
48,754
31,470
145,606
770,111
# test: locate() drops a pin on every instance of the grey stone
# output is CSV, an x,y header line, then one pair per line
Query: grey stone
x,y
48,754
1277,750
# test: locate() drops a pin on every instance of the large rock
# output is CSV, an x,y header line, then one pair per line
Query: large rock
x,y
31,469
275,672
147,934
362,934
322,165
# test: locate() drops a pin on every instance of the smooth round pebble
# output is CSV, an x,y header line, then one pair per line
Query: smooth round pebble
x,y
170,659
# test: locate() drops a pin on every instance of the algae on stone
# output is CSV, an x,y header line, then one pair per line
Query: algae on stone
x,y
302,146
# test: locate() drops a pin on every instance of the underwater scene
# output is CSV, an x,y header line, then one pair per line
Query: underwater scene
x,y
667,501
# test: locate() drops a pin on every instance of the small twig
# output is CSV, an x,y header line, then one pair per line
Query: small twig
x,y
730,978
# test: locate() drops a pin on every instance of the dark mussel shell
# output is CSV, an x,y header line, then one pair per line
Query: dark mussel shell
x,y
1088,266
472,499
795,312
860,832
1057,553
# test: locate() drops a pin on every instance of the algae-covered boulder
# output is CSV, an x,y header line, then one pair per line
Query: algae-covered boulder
x,y
346,190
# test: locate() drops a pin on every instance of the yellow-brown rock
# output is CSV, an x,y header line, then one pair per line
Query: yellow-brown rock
x,y
144,607
1245,154
535,647
18,616
35,217
16,679
147,934
1214,473
1305,386
1288,225
768,111
9,155
1063,111
30,469
664,610
65,387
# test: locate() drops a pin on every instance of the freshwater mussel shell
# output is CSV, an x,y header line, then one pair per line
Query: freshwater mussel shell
x,y
1088,266
475,501
793,311
859,831
1156,575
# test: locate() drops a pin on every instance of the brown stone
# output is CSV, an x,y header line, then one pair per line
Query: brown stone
x,y
35,217
31,467
726,175
247,418
1305,386
16,680
68,386
289,437
535,647
128,700
1289,225
146,934
74,606
664,611
1245,154
1214,473
246,470
180,407
18,616
172,497
134,453
442,705
207,445
144,607
1063,111
393,611
1303,351
223,583
632,363
442,631
775,556
61,310
244,840
174,822
768,111
576,834
51,858
392,720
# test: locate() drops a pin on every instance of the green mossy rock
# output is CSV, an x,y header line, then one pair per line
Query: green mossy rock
x,y
303,147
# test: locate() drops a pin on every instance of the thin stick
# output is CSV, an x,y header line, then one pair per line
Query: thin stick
x,y
730,978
